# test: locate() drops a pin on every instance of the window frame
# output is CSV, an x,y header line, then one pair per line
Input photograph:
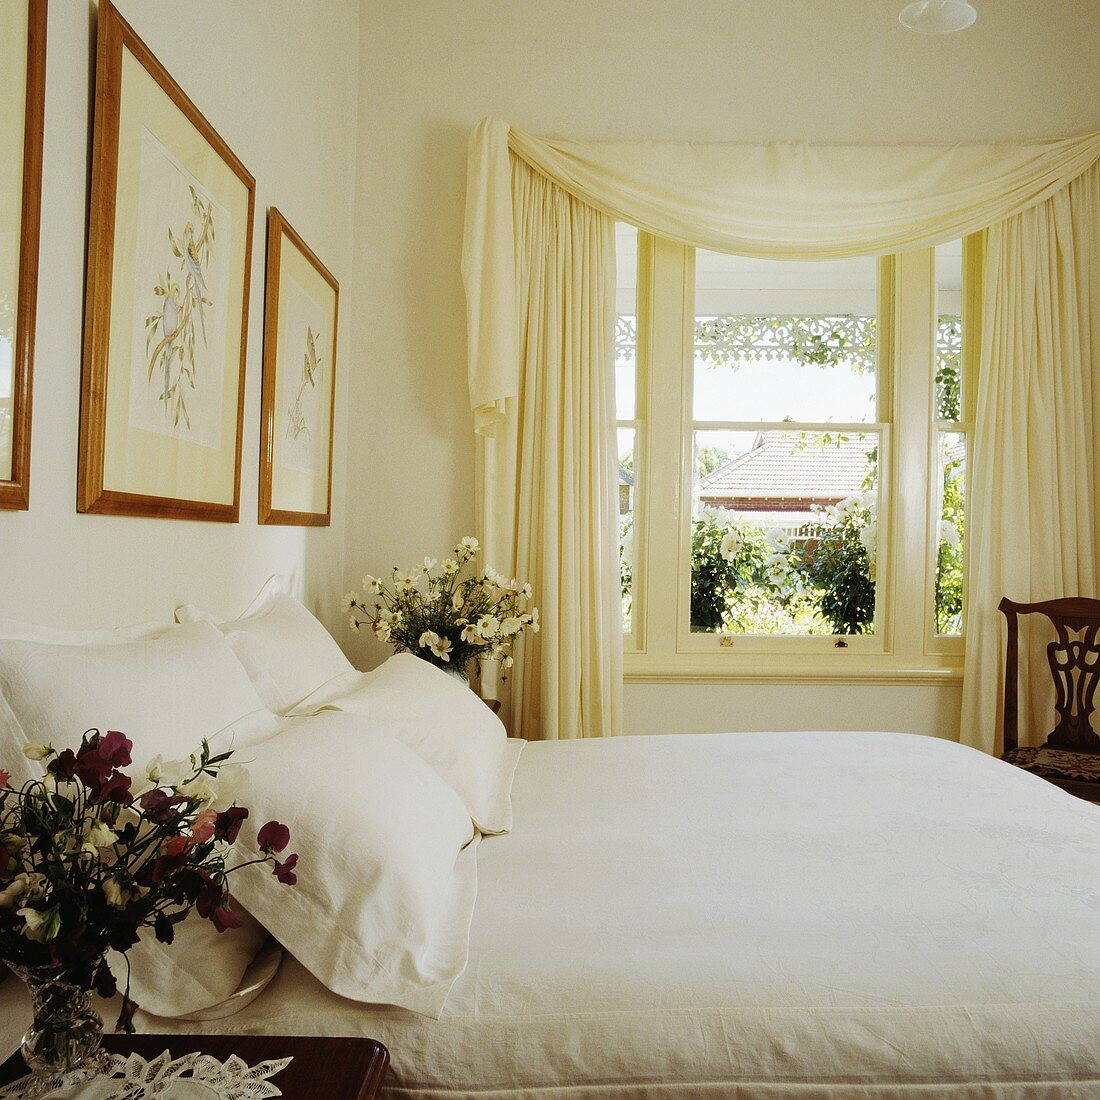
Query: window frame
x,y
904,647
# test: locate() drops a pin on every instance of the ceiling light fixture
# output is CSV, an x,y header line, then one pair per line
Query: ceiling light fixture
x,y
938,16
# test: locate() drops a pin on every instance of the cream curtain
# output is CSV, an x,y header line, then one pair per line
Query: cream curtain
x,y
551,511
782,200
1035,478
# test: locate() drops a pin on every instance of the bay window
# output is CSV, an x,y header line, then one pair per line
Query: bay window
x,y
793,440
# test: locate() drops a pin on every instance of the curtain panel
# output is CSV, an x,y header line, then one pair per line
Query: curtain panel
x,y
792,200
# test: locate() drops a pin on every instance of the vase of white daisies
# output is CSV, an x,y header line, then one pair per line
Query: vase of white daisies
x,y
447,612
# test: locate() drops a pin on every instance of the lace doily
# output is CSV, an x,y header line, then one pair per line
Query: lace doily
x,y
130,1077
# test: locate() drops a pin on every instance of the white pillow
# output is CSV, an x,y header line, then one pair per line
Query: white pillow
x,y
286,652
29,632
165,693
444,723
387,879
200,968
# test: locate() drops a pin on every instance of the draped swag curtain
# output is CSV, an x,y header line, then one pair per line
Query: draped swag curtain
x,y
1035,471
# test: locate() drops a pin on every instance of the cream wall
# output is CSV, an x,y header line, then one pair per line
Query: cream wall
x,y
285,100
716,70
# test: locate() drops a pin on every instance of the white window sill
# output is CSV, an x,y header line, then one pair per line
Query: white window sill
x,y
850,668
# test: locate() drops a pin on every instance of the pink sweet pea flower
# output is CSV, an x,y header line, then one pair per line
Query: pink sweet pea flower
x,y
202,828
5,778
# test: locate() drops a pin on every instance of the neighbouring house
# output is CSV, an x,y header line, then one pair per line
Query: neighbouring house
x,y
626,491
783,475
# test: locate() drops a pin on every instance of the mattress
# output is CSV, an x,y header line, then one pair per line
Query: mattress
x,y
800,915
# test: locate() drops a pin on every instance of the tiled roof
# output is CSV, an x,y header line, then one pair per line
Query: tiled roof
x,y
782,464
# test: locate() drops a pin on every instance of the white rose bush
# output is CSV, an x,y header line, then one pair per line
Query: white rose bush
x,y
447,612
751,579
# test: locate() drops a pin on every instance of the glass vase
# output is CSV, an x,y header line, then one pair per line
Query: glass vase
x,y
66,1033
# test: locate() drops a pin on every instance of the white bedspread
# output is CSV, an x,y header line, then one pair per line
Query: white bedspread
x,y
759,915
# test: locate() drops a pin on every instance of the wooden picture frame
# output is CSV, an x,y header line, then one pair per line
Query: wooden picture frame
x,y
297,414
166,313
26,72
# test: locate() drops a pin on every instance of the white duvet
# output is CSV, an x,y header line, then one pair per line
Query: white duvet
x,y
758,915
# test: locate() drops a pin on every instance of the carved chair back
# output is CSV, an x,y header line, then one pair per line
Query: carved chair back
x,y
1074,660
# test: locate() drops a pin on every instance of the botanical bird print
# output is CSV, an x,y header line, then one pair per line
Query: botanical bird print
x,y
297,426
172,357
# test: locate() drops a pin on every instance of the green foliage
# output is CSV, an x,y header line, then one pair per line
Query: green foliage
x,y
836,562
708,459
949,561
726,559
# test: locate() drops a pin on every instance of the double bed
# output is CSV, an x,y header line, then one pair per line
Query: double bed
x,y
757,915
804,915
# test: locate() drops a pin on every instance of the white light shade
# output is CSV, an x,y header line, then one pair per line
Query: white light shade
x,y
938,16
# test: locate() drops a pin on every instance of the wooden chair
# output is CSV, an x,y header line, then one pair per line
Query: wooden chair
x,y
1070,757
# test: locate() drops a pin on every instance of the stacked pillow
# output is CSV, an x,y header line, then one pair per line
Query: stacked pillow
x,y
166,688
386,779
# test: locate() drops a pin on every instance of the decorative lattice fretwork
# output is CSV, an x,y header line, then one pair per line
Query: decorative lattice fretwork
x,y
825,341
730,339
949,367
626,338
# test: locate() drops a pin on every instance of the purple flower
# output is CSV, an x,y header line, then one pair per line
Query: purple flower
x,y
165,865
115,749
228,823
273,837
99,756
158,806
223,918
63,765
116,789
284,871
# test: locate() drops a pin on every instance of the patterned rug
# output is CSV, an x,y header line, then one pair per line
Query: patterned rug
x,y
1056,763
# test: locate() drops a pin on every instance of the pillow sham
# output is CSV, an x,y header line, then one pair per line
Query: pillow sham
x,y
202,967
165,693
30,632
444,723
387,882
286,652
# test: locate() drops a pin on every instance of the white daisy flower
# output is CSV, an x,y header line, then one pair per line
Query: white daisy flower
x,y
405,581
372,584
488,625
469,543
449,566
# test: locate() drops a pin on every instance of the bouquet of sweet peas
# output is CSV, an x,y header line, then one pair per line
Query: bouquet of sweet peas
x,y
87,862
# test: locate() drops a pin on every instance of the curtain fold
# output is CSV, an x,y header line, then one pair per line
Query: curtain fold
x,y
1034,480
786,200
551,505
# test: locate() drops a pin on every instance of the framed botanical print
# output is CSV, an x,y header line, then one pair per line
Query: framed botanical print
x,y
22,100
166,315
301,307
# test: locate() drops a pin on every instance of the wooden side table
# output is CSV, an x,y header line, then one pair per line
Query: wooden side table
x,y
337,1069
